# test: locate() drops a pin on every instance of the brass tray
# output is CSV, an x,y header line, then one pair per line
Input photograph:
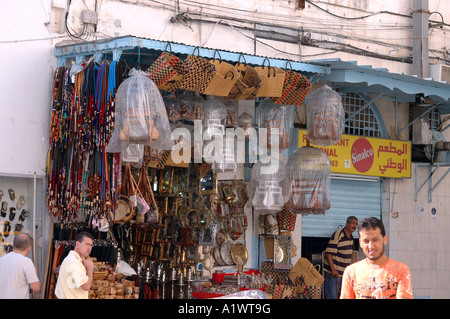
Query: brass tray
x,y
239,254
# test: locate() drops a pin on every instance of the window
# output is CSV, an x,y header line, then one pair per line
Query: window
x,y
360,120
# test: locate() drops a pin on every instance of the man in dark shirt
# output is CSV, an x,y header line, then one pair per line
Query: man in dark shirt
x,y
338,255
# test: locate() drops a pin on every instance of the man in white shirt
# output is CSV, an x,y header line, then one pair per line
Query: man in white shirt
x,y
17,272
76,271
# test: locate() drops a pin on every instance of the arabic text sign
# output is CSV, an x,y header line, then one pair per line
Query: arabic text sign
x,y
367,156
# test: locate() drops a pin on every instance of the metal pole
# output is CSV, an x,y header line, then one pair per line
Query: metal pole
x,y
420,15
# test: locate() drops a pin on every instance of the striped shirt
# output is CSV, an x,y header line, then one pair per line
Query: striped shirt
x,y
341,248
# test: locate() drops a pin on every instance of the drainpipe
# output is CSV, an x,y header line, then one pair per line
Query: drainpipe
x,y
420,15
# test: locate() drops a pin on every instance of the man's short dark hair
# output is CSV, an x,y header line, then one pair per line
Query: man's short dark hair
x,y
350,218
81,235
22,241
372,223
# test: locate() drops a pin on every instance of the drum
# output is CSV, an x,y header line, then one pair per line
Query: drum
x,y
125,210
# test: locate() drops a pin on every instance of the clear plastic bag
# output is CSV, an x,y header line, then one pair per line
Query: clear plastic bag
x,y
173,108
268,186
309,176
278,120
133,154
232,113
141,116
325,116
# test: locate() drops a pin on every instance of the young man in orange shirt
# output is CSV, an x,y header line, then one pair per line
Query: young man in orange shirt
x,y
377,276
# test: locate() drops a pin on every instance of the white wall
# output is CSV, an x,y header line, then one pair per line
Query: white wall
x,y
29,33
25,84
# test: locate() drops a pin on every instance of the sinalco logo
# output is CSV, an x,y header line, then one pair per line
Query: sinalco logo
x,y
362,155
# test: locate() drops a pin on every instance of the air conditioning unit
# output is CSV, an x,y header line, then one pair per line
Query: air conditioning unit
x,y
440,72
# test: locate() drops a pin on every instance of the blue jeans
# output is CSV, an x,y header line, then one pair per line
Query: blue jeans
x,y
330,290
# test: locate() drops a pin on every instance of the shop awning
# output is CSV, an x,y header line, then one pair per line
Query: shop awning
x,y
145,51
349,76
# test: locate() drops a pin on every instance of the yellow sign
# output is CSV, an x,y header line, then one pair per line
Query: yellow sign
x,y
366,155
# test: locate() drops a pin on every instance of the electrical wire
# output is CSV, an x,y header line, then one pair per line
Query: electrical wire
x,y
317,25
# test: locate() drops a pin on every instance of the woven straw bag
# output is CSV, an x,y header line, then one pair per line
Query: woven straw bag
x,y
272,81
198,73
295,89
224,79
166,70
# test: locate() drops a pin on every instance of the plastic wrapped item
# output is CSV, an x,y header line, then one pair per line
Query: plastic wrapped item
x,y
232,113
245,121
185,106
278,120
215,114
309,177
226,161
325,116
172,107
141,116
133,154
268,186
198,107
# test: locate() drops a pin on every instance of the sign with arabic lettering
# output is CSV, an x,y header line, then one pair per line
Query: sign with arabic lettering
x,y
371,156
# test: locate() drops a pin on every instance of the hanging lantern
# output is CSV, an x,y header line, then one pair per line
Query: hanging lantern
x,y
278,121
268,184
309,178
325,116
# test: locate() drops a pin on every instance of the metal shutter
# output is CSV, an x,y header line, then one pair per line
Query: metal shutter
x,y
349,197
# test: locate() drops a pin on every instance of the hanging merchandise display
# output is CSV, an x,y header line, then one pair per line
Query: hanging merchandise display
x,y
82,119
309,176
295,89
232,113
245,121
272,80
197,74
223,80
160,227
198,107
141,116
247,84
268,186
278,121
166,70
185,100
172,107
325,116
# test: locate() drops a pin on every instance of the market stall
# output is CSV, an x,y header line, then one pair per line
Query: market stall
x,y
136,149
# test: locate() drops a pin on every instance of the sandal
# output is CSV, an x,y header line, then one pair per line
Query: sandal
x,y
1,194
12,213
4,208
12,194
18,229
21,202
24,214
6,229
